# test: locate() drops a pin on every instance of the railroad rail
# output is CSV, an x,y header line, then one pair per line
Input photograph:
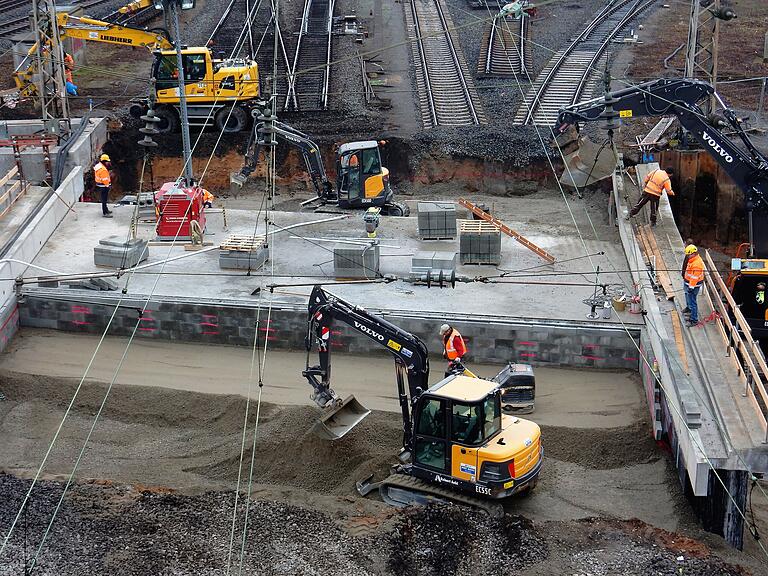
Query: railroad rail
x,y
229,40
22,24
505,50
311,72
570,75
447,95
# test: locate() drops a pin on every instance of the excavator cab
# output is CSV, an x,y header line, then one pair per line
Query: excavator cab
x,y
463,438
218,90
749,295
361,179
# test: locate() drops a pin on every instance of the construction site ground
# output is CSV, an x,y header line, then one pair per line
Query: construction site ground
x,y
154,491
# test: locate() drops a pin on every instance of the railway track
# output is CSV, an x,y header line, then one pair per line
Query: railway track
x,y
21,24
229,40
447,95
308,90
571,74
505,50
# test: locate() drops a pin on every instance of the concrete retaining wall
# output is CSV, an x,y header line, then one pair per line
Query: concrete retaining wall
x,y
82,152
27,246
489,340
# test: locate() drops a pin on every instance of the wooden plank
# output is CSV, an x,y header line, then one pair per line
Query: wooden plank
x,y
10,174
661,266
678,331
507,230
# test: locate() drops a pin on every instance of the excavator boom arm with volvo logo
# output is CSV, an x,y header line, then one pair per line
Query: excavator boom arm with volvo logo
x,y
747,168
458,444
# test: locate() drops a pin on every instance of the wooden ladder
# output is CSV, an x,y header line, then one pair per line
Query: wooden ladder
x,y
480,213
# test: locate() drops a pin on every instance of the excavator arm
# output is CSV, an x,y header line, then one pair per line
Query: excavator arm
x,y
92,31
99,31
748,168
263,134
410,353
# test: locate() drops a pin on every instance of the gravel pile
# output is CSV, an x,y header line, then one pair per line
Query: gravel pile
x,y
125,531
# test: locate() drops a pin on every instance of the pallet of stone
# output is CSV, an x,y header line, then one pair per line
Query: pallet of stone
x,y
356,262
479,242
118,252
437,220
242,260
242,243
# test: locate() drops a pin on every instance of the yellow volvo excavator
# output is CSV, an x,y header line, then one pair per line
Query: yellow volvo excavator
x,y
458,444
223,91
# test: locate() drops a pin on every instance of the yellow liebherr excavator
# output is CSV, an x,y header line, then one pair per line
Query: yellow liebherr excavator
x,y
213,87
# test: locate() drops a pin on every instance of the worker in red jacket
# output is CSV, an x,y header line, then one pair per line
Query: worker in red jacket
x,y
453,344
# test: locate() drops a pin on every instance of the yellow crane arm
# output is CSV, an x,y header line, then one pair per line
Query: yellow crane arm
x,y
92,31
135,6
99,31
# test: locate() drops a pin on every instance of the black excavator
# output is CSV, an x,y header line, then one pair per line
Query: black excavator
x,y
747,167
458,443
361,180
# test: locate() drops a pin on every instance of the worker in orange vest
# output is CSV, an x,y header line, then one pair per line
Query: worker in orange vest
x,y
207,199
654,184
103,180
694,276
453,344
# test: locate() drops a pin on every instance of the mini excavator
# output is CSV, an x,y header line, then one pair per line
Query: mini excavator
x,y
458,444
747,166
361,180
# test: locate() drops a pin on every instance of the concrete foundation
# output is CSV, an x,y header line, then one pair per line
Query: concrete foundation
x,y
489,339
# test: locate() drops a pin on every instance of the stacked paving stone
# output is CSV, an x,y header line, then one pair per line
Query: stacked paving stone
x,y
244,259
356,261
430,262
437,220
117,252
479,242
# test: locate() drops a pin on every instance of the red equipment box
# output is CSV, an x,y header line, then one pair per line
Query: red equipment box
x,y
177,207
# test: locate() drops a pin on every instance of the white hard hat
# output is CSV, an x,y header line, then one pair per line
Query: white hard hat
x,y
443,329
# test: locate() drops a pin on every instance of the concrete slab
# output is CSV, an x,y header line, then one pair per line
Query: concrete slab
x,y
532,289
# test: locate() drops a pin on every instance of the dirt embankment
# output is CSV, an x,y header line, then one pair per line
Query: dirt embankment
x,y
157,453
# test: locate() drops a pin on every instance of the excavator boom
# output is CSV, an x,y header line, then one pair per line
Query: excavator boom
x,y
747,167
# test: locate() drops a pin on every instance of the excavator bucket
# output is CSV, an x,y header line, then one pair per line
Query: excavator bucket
x,y
588,163
335,422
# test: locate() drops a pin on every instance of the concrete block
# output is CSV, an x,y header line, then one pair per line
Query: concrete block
x,y
356,261
436,220
121,242
243,260
126,255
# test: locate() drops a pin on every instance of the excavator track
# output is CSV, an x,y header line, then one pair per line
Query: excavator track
x,y
401,490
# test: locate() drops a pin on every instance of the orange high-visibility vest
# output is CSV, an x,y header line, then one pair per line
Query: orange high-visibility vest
x,y
694,272
455,349
656,182
101,175
207,196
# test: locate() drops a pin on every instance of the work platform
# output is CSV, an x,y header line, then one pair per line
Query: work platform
x,y
522,317
702,402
